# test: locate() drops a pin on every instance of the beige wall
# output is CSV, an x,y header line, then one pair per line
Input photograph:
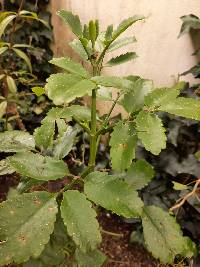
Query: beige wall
x,y
161,54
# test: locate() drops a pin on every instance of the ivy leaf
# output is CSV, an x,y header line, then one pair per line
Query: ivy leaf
x,y
79,49
15,141
112,81
185,107
3,50
21,217
134,98
5,22
93,258
44,135
37,166
139,174
11,84
121,59
151,132
70,65
38,90
80,219
163,236
112,194
64,143
5,168
125,24
123,142
23,56
3,107
63,88
120,43
73,22
189,22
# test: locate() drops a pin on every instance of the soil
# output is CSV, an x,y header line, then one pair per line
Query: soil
x,y
120,252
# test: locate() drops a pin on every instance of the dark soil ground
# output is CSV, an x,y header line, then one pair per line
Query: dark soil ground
x,y
120,252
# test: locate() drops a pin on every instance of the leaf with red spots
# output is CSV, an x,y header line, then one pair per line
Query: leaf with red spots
x,y
26,223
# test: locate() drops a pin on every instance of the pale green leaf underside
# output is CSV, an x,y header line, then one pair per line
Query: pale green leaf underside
x,y
26,222
151,132
70,65
93,258
184,107
15,141
134,99
121,59
120,43
63,88
80,219
112,81
5,23
78,48
123,142
163,236
113,194
37,166
139,174
64,143
44,135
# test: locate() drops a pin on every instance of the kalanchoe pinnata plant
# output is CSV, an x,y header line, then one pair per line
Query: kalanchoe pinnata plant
x,y
65,221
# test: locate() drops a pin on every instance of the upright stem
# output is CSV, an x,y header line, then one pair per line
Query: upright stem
x,y
93,138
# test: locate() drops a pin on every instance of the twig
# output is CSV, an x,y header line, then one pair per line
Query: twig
x,y
185,198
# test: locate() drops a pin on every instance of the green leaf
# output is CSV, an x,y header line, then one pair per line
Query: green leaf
x,y
79,49
83,113
123,142
73,22
178,186
80,219
64,143
54,252
184,107
11,84
5,168
134,99
44,135
4,23
93,258
163,236
15,141
37,166
139,174
58,113
113,194
108,33
161,96
151,132
26,222
189,22
23,56
125,24
63,88
112,81
3,107
70,65
2,76
121,59
120,43
3,49
92,32
38,90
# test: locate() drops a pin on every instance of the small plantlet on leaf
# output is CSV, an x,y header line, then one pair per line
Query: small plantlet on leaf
x,y
65,222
